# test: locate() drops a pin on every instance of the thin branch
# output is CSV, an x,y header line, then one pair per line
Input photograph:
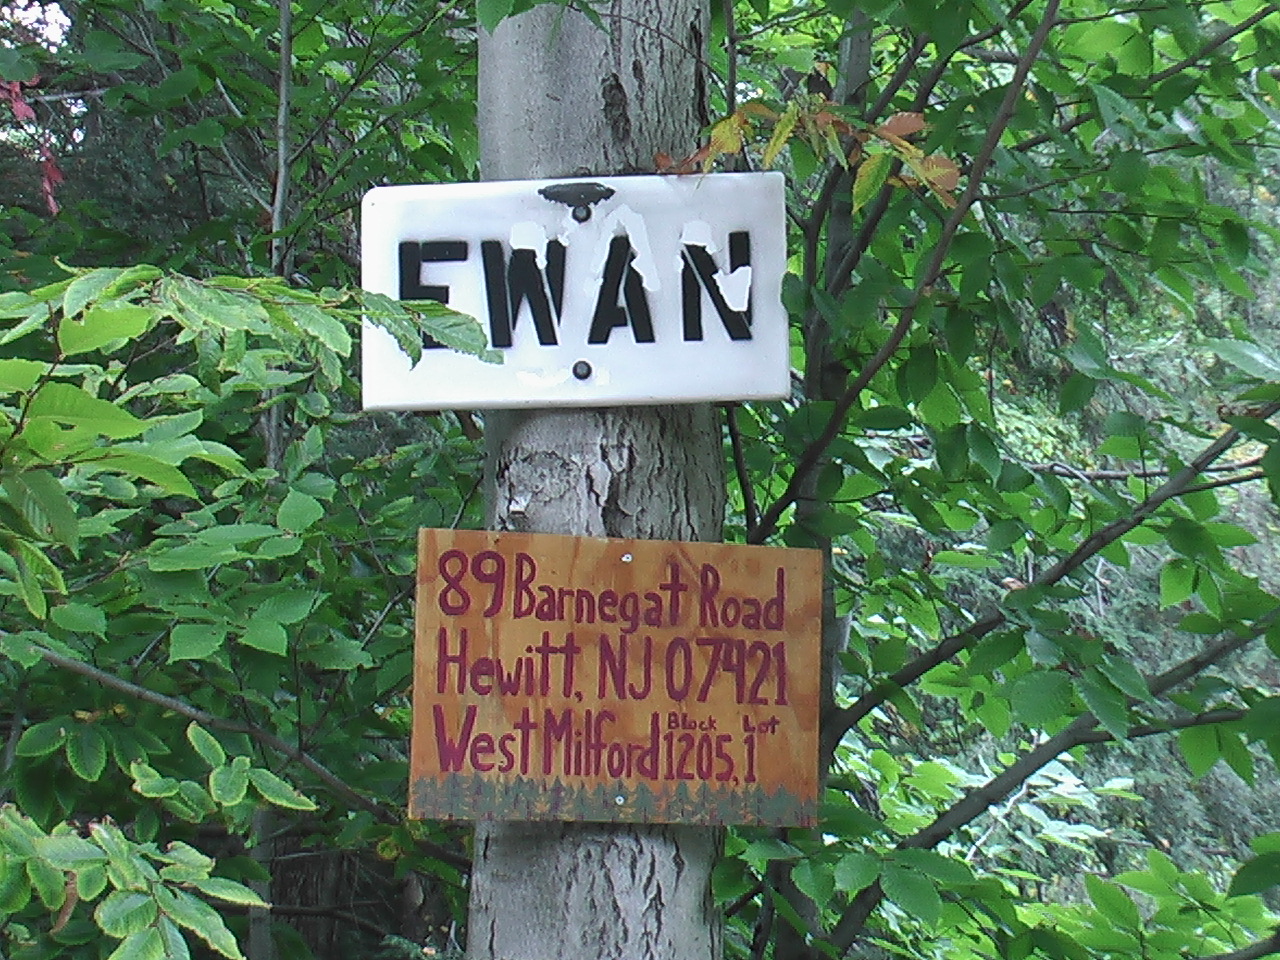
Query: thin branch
x,y
269,740
977,801
1206,719
750,508
1268,947
813,454
1177,485
1213,43
1059,469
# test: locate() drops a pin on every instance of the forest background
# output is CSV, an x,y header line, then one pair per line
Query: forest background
x,y
1032,428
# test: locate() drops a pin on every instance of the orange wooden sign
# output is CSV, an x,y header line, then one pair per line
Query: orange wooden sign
x,y
570,678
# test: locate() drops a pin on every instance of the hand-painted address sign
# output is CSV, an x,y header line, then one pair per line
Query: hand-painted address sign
x,y
568,678
616,290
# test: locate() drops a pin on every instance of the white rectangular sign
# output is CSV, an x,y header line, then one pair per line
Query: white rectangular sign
x,y
601,291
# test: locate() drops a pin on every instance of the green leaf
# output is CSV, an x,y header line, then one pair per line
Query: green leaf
x,y
1076,393
14,67
125,912
190,641
1256,875
228,890
492,12
1249,357
101,325
18,375
206,745
1177,581
855,872
68,852
39,497
1112,902
49,882
86,288
228,784
143,945
15,888
945,870
205,305
1105,702
175,944
298,512
87,752
80,618
278,792
323,326
410,321
201,919
43,738
147,782
814,880
872,174
1200,748
1125,676
69,405
1040,698
913,892
265,635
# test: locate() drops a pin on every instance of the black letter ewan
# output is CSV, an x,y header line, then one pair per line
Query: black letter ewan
x,y
699,274
621,276
509,285
412,256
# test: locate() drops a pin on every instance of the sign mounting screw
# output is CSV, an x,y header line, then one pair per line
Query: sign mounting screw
x,y
582,370
580,196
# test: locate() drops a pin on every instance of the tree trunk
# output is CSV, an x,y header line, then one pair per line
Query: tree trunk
x,y
558,97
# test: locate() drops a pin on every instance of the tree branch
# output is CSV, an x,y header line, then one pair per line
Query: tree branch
x,y
269,740
1075,473
976,802
750,509
1268,947
1177,485
812,455
1213,43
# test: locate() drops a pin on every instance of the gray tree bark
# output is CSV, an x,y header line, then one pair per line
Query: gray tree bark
x,y
558,97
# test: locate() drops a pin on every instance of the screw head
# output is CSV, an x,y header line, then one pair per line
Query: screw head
x,y
582,370
582,213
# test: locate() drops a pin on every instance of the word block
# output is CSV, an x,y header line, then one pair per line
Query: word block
x,y
572,678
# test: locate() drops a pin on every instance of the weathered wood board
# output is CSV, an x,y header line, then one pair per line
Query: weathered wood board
x,y
572,678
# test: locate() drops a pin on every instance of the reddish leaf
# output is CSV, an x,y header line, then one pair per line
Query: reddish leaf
x,y
11,90
902,125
